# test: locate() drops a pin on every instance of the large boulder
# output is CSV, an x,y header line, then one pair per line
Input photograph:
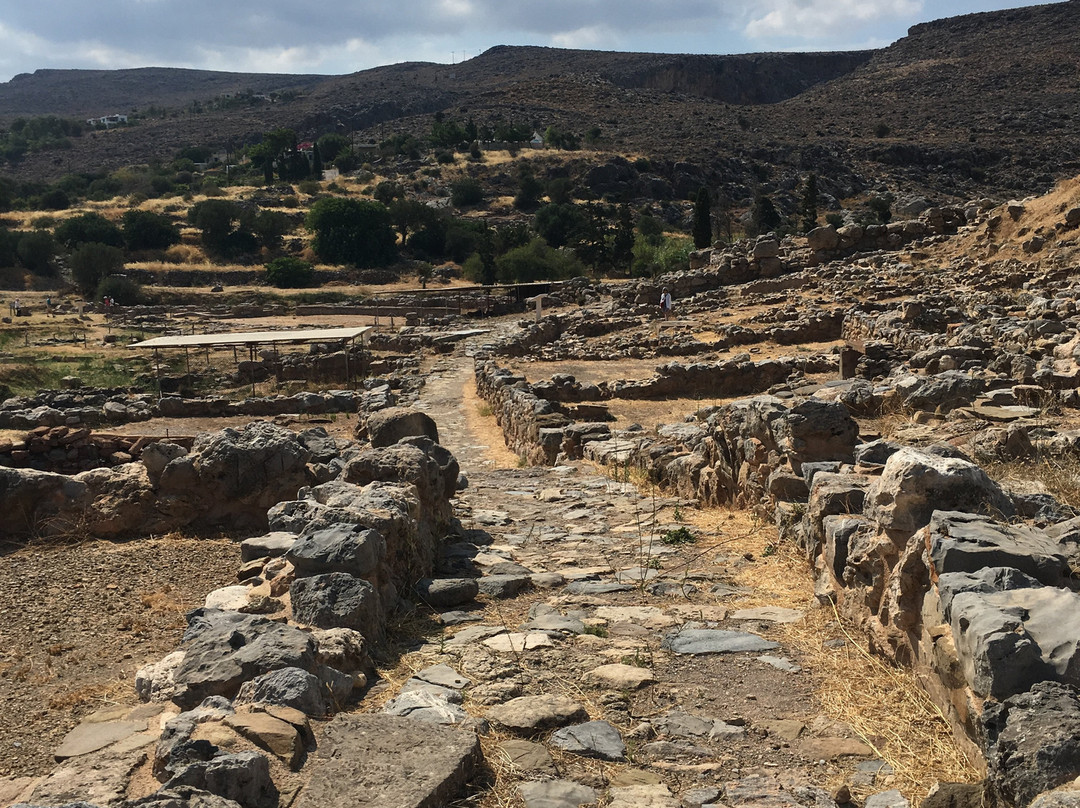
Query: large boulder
x,y
243,777
815,430
391,509
1032,742
965,542
338,600
389,426
222,650
1007,641
353,549
915,483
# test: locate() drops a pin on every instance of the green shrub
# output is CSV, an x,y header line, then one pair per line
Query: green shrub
x,y
679,535
87,228
288,272
122,289
465,192
93,263
352,231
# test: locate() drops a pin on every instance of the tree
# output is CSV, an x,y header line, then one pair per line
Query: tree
x,y
536,261
316,162
86,228
560,190
36,251
333,144
466,191
558,225
410,216
352,231
215,218
146,230
9,245
622,245
702,229
560,139
92,263
764,217
227,227
387,191
529,191
288,272
808,210
270,227
591,242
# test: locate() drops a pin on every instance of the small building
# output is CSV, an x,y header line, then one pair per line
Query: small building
x,y
107,120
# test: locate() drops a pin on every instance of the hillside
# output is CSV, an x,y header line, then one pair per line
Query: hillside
x,y
929,115
86,93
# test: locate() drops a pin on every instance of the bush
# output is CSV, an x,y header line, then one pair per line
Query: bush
x,y
835,219
55,199
146,230
465,192
87,228
36,251
121,289
93,263
352,231
536,261
290,273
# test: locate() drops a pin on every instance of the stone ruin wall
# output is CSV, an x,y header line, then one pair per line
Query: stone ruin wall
x,y
917,547
351,530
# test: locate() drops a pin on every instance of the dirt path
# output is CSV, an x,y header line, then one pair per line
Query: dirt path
x,y
584,571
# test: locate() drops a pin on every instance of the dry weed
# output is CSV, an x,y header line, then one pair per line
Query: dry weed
x,y
885,705
1059,475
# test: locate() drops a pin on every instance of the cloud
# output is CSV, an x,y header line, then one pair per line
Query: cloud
x,y
825,20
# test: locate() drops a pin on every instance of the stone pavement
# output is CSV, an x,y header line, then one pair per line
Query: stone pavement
x,y
602,663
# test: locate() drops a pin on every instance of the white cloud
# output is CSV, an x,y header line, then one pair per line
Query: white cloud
x,y
825,19
589,37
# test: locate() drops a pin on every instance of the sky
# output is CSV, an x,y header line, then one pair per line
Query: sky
x,y
289,36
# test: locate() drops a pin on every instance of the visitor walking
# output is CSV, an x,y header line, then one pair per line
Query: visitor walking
x,y
665,304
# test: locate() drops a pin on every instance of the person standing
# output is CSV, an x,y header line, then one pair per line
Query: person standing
x,y
665,304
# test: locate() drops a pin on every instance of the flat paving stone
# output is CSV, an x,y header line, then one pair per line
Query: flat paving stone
x,y
92,736
716,641
528,714
382,761
598,739
526,755
556,794
620,677
518,642
780,663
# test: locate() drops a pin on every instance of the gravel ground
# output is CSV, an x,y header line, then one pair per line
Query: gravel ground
x,y
78,621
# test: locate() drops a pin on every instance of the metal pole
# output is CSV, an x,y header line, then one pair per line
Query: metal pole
x,y
345,346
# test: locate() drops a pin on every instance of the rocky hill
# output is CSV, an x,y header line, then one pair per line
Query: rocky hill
x,y
86,93
929,115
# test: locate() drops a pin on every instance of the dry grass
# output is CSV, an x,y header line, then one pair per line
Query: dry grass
x,y
1059,475
883,704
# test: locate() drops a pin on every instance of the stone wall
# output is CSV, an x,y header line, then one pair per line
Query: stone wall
x,y
291,642
918,548
70,450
